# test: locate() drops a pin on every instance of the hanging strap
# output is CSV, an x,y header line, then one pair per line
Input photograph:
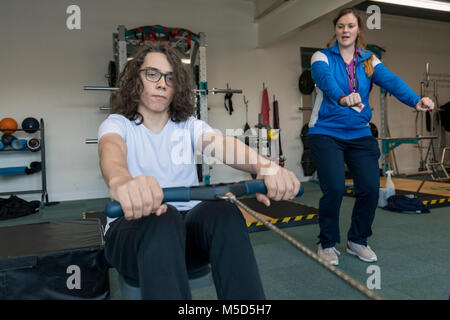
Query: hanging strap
x,y
228,101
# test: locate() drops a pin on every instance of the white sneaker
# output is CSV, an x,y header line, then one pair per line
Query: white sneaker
x,y
363,252
330,255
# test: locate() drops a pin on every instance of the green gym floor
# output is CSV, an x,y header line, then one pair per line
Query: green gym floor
x,y
413,254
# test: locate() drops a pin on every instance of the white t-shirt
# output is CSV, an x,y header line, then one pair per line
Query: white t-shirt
x,y
168,155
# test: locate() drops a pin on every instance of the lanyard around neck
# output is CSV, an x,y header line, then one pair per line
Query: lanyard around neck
x,y
352,79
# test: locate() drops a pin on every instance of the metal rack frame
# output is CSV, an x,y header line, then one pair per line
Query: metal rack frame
x,y
43,190
124,48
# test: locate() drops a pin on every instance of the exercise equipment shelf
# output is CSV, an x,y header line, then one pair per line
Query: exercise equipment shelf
x,y
20,150
12,150
43,190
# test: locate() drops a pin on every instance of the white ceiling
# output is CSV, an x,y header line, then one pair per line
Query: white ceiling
x,y
277,18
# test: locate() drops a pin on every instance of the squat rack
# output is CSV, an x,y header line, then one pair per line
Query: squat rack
x,y
389,143
192,46
431,83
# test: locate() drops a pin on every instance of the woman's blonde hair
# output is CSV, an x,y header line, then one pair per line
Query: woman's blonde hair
x,y
360,38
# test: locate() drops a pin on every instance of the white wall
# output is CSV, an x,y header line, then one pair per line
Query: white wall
x,y
44,67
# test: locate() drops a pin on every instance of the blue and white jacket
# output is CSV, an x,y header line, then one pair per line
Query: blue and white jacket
x,y
330,75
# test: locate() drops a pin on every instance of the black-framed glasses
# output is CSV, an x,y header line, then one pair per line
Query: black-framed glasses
x,y
154,75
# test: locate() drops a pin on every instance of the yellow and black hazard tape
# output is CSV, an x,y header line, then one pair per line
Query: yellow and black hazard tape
x,y
434,203
285,222
350,191
437,202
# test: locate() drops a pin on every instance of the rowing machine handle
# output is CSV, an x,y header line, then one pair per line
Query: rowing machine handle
x,y
207,192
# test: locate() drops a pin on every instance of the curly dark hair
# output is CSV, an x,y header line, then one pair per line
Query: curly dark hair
x,y
125,100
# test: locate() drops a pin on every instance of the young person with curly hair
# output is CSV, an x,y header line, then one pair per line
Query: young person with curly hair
x,y
156,244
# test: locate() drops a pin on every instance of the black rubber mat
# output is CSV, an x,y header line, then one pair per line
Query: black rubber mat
x,y
41,261
95,215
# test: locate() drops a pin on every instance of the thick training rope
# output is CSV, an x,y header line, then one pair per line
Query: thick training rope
x,y
345,277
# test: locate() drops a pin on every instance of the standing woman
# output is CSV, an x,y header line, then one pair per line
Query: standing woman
x,y
339,132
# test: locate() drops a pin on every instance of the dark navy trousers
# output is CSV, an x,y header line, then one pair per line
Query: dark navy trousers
x,y
155,252
361,156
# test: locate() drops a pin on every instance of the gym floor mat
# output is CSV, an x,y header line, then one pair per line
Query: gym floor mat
x,y
39,261
433,194
282,214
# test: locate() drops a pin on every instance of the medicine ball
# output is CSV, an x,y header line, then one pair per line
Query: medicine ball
x,y
30,125
8,125
7,139
34,144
